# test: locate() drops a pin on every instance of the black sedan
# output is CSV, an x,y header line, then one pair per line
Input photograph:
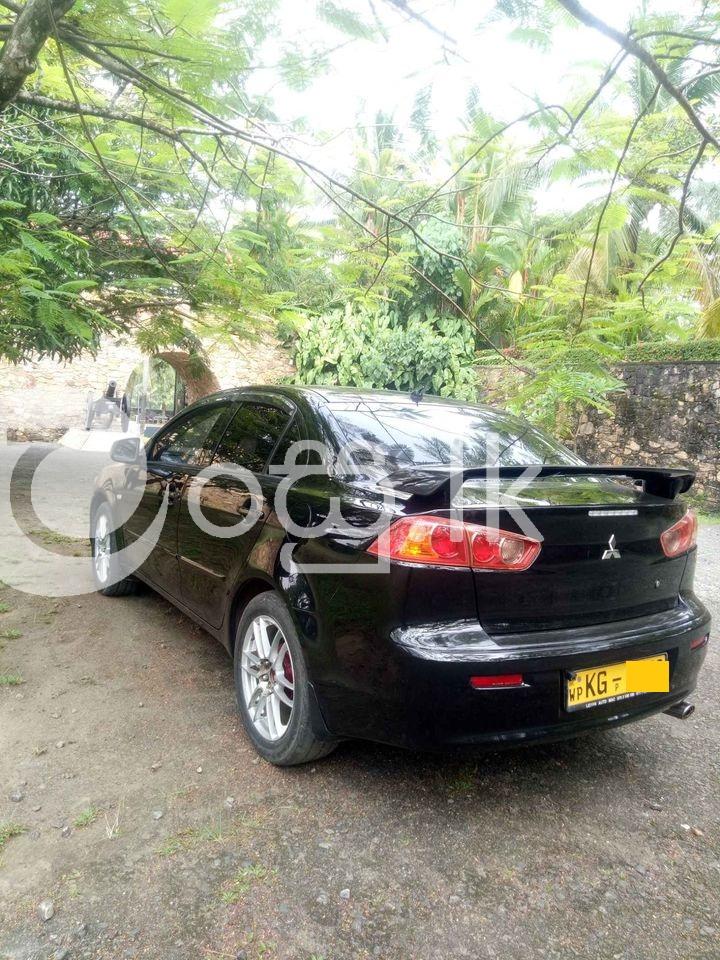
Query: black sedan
x,y
432,574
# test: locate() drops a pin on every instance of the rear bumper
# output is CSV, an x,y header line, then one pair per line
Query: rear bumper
x,y
419,694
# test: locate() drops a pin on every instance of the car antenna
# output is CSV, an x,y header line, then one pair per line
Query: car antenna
x,y
417,395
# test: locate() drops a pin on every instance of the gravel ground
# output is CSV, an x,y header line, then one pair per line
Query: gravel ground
x,y
155,831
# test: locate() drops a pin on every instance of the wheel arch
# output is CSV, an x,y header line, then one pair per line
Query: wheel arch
x,y
250,588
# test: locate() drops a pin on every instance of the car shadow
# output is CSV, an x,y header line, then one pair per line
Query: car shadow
x,y
585,770
565,769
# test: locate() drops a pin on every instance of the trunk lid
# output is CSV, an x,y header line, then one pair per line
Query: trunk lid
x,y
580,576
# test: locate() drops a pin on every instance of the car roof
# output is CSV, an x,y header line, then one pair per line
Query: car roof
x,y
341,395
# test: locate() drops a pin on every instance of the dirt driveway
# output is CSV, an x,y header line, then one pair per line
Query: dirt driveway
x,y
142,813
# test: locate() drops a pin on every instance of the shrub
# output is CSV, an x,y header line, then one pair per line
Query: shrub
x,y
380,350
674,352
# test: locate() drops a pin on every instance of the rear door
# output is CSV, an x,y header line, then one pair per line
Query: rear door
x,y
211,553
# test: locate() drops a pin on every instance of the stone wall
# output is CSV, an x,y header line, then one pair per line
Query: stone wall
x,y
40,400
667,415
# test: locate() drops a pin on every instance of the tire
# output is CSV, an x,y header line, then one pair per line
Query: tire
x,y
105,538
288,739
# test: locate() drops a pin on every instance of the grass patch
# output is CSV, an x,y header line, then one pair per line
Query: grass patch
x,y
10,635
88,816
8,831
243,881
71,884
464,781
189,838
50,536
253,949
10,680
4,607
708,519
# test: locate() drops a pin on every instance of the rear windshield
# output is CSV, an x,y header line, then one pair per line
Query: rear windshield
x,y
433,433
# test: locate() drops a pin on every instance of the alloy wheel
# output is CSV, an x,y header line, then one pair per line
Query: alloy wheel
x,y
268,678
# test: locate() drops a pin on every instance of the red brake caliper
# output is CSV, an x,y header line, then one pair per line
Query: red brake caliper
x,y
288,671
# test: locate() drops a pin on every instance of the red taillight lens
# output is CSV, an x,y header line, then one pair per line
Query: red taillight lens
x,y
424,539
496,681
699,642
501,550
681,536
448,542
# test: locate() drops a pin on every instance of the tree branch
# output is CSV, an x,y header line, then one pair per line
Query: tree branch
x,y
606,204
631,45
105,113
89,110
696,39
25,40
681,217
404,7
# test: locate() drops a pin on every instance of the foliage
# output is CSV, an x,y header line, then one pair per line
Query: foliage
x,y
46,304
8,830
375,349
146,186
89,815
119,211
565,294
671,352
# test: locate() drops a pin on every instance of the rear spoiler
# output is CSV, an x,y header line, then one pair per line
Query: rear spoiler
x,y
436,483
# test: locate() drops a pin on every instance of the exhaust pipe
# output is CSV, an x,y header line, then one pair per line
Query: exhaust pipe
x,y
681,711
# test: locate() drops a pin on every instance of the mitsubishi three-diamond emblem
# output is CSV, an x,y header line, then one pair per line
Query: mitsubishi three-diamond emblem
x,y
612,552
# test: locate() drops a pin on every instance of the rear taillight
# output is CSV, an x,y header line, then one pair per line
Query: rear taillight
x,y
500,549
447,542
681,536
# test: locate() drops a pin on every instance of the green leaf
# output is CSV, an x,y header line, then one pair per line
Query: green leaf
x,y
344,19
76,286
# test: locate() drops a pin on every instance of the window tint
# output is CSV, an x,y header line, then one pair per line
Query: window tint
x,y
436,433
251,436
192,440
291,436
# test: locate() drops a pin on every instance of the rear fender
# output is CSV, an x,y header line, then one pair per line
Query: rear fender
x,y
300,602
263,571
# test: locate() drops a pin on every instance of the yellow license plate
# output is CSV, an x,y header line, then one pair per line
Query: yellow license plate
x,y
598,685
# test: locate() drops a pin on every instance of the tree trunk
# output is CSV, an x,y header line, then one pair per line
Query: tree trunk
x,y
34,24
197,376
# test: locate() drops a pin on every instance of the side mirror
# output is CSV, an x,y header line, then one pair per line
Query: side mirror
x,y
126,450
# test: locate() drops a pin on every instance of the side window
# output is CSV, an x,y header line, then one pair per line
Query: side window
x,y
251,436
192,440
291,436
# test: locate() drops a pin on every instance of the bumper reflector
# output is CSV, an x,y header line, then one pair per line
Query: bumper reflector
x,y
499,680
699,642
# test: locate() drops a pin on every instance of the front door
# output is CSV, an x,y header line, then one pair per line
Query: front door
x,y
185,445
